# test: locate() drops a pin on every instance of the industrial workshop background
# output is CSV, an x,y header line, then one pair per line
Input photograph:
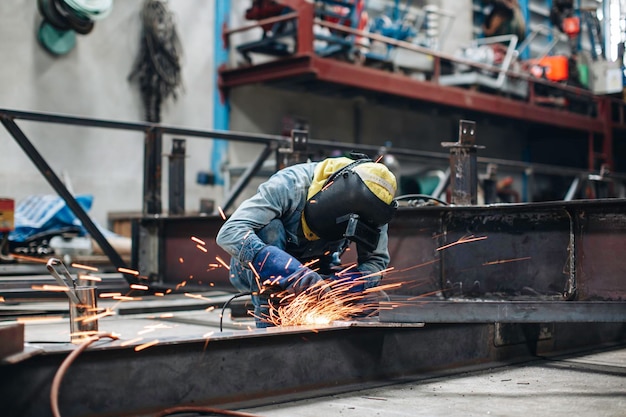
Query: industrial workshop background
x,y
92,80
132,129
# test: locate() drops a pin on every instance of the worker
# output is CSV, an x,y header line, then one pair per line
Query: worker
x,y
505,18
294,229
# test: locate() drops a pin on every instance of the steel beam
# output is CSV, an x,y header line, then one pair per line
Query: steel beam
x,y
425,311
327,70
260,367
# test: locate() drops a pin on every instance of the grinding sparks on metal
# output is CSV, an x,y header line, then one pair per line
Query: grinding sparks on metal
x,y
222,215
326,302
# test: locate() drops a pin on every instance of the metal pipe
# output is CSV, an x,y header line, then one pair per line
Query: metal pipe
x,y
247,176
153,145
176,175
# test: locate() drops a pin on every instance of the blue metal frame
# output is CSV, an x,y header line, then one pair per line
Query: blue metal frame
x,y
221,106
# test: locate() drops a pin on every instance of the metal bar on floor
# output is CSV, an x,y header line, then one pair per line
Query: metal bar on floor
x,y
425,311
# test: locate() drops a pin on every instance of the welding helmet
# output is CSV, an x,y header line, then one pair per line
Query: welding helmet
x,y
344,189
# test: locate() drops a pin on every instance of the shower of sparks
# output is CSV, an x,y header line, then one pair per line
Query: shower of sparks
x,y
146,345
326,302
128,271
464,239
199,241
202,248
85,267
504,261
221,212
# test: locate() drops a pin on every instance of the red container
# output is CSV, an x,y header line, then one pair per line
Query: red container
x,y
7,214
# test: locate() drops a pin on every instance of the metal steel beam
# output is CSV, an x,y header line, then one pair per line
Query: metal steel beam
x,y
454,311
260,367
370,79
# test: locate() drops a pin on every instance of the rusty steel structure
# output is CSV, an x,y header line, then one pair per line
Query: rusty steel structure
x,y
476,284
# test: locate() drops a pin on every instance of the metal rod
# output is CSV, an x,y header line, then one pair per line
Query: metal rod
x,y
176,174
152,172
262,22
60,188
247,176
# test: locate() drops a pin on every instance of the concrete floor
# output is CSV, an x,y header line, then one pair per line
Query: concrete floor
x,y
591,385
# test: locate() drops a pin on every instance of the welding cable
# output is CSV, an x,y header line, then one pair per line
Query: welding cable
x,y
421,196
227,303
203,411
58,377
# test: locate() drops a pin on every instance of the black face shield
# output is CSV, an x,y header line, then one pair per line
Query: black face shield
x,y
345,196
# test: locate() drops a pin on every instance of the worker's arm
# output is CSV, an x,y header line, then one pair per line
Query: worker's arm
x,y
277,198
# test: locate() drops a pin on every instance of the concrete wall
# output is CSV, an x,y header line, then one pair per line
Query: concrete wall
x,y
92,81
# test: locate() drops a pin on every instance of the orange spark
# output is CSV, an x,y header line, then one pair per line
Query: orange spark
x,y
125,298
89,278
200,241
166,315
46,287
139,287
181,260
221,212
131,341
159,294
504,261
1,299
30,258
95,317
127,271
86,267
110,294
146,345
202,248
221,261
196,296
379,158
462,240
44,319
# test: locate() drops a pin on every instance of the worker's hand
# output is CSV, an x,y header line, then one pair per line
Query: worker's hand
x,y
277,269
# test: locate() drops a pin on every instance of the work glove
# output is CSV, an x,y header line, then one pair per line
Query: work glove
x,y
276,268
